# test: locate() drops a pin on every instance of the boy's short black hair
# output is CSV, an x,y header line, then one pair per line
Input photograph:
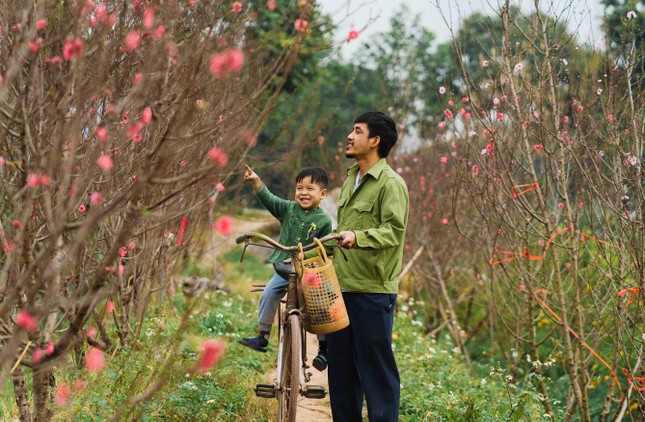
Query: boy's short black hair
x,y
317,176
381,125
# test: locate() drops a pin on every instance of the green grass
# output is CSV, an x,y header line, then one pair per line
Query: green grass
x,y
436,384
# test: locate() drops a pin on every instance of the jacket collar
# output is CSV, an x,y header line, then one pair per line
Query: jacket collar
x,y
375,171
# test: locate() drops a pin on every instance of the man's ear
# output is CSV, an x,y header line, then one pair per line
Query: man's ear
x,y
375,141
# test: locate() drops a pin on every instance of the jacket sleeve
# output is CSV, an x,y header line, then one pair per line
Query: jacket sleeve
x,y
393,217
277,206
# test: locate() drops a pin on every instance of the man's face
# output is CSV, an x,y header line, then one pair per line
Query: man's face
x,y
359,144
309,194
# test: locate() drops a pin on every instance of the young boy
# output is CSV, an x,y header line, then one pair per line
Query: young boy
x,y
300,221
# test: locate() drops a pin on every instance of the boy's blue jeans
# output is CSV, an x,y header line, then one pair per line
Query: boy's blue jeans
x,y
270,302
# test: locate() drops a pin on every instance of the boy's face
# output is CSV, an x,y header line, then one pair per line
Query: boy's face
x,y
309,194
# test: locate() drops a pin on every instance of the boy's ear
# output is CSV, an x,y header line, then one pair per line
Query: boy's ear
x,y
323,193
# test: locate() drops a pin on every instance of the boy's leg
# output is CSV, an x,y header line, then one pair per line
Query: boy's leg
x,y
267,307
320,361
270,301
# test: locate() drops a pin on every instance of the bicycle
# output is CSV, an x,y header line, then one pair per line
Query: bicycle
x,y
292,373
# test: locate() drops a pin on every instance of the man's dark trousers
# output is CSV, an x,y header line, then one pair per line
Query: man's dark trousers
x,y
361,361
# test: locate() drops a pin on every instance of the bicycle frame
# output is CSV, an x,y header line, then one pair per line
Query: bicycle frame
x,y
292,357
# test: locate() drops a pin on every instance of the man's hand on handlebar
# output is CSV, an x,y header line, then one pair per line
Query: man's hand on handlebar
x,y
347,240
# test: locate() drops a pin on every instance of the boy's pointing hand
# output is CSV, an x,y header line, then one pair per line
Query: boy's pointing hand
x,y
251,176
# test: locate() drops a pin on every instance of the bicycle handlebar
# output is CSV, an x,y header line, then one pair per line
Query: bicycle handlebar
x,y
291,249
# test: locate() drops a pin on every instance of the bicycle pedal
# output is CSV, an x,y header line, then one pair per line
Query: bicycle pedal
x,y
314,391
265,390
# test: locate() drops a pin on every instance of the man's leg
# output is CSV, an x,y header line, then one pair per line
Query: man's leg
x,y
345,389
372,317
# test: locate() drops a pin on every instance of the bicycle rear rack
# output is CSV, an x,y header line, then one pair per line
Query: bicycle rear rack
x,y
266,391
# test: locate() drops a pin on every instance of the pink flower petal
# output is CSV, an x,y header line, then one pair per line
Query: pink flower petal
x,y
62,395
26,321
94,359
212,351
105,163
224,225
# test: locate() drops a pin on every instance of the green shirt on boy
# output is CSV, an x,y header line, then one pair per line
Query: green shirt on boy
x,y
297,225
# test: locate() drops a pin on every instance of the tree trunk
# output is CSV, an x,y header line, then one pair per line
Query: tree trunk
x,y
20,392
43,381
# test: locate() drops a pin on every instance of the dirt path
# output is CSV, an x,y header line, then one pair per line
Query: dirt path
x,y
314,409
308,409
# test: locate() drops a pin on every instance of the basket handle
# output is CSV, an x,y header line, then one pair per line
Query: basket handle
x,y
321,250
299,261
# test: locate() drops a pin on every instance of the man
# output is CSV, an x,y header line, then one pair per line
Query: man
x,y
372,217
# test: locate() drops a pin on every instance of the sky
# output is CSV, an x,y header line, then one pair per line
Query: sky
x,y
373,16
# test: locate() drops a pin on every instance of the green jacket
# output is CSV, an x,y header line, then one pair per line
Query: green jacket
x,y
296,224
378,213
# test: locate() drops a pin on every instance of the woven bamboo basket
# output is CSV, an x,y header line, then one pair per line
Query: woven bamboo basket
x,y
325,309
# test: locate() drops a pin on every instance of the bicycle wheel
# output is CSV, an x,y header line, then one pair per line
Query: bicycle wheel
x,y
290,377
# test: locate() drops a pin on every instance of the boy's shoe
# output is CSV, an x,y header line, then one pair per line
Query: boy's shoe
x,y
258,343
320,361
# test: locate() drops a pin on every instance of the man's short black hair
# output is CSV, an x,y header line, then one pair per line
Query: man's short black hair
x,y
381,125
315,174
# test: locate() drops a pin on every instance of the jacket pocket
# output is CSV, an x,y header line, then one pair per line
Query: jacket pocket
x,y
362,215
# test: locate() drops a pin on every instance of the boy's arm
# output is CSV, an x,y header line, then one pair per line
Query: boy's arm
x,y
278,207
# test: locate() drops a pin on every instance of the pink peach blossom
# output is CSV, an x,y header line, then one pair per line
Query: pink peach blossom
x,y
146,116
62,395
26,321
271,5
105,163
33,180
301,25
96,198
159,32
212,351
224,225
94,359
148,20
218,156
229,61
132,40
38,355
101,134
72,49
236,7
